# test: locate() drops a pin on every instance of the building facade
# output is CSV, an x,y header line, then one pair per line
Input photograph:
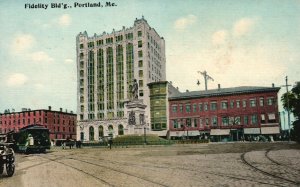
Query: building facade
x,y
225,113
62,124
107,65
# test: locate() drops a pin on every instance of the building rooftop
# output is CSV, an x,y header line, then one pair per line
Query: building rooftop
x,y
222,92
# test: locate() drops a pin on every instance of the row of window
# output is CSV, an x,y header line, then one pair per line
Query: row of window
x,y
69,122
33,113
224,105
225,121
110,40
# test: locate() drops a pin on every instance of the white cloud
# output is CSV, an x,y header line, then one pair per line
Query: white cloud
x,y
40,56
184,22
39,86
219,37
22,43
243,26
68,61
16,79
64,20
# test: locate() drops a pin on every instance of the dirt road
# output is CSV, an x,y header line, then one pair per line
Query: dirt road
x,y
228,164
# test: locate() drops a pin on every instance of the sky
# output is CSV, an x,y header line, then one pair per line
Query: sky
x,y
239,43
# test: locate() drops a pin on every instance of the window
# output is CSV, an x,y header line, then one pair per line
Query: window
x,y
225,120
188,108
140,54
119,38
174,108
237,104
254,119
244,103
252,102
195,122
270,101
214,120
139,33
224,105
140,44
175,124
205,106
200,107
141,84
141,93
140,73
188,122
81,46
140,63
261,101
213,106
246,120
231,104
194,107
206,121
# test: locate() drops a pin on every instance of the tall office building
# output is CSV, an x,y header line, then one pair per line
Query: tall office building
x,y
107,65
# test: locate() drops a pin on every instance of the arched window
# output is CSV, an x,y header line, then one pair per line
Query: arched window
x,y
101,132
91,129
120,130
110,130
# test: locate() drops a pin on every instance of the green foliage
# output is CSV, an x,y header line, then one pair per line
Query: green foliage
x,y
140,139
294,106
295,132
294,100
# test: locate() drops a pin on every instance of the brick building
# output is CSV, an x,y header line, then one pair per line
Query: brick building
x,y
225,113
62,124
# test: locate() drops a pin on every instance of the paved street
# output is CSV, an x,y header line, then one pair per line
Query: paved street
x,y
213,164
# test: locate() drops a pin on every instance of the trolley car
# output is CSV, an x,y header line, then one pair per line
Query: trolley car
x,y
32,138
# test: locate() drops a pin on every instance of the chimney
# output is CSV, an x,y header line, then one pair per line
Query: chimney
x,y
219,86
187,90
66,111
273,85
60,109
49,108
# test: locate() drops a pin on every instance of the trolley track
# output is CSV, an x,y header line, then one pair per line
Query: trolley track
x,y
278,163
162,166
248,163
60,161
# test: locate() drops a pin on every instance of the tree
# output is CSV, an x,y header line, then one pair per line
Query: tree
x,y
292,98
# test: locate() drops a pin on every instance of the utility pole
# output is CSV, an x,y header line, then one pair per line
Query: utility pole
x,y
206,78
288,105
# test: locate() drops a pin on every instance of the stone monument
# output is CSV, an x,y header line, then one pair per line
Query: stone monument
x,y
135,112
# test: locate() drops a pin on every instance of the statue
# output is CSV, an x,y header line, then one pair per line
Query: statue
x,y
134,90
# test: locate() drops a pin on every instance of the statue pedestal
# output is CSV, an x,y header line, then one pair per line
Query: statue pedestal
x,y
135,112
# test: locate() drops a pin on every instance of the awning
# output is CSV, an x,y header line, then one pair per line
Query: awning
x,y
193,133
184,133
219,132
251,130
270,130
